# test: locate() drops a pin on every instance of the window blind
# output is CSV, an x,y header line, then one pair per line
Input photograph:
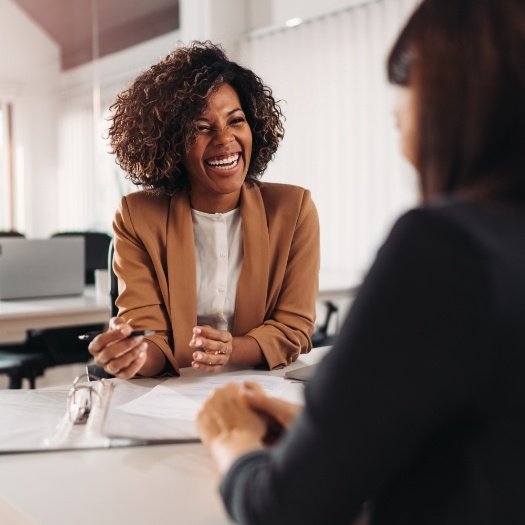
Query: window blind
x,y
340,140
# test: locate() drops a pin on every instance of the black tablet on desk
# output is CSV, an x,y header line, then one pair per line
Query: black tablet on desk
x,y
305,373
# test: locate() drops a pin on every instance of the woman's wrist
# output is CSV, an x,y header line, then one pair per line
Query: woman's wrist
x,y
246,351
227,447
155,361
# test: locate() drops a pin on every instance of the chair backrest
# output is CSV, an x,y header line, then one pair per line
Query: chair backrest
x,y
113,281
96,250
93,370
10,233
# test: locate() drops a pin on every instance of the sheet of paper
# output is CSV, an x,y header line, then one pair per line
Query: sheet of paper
x,y
163,402
183,397
9,514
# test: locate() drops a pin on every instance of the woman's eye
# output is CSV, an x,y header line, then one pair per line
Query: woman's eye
x,y
237,121
203,129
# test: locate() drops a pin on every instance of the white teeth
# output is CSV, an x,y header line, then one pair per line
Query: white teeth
x,y
228,161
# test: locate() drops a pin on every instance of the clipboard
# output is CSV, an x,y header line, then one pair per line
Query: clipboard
x,y
68,419
304,373
93,414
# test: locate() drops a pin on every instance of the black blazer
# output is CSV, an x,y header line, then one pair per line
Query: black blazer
x,y
420,406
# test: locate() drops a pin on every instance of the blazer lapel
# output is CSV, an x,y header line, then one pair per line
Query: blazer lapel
x,y
180,248
252,288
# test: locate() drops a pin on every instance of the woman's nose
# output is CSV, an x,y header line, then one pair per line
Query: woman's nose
x,y
224,136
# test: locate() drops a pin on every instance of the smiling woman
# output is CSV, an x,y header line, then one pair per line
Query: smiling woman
x,y
221,266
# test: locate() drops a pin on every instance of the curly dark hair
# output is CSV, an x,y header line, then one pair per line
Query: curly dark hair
x,y
153,120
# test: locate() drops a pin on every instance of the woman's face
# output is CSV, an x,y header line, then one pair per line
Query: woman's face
x,y
405,118
217,162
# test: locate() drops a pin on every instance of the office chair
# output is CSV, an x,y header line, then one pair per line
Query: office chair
x,y
19,366
321,337
20,361
93,370
10,233
113,282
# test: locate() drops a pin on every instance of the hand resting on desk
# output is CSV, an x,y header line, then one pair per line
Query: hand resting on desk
x,y
213,348
283,412
240,418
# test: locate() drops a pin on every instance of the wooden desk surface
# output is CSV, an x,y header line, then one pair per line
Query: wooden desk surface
x,y
19,316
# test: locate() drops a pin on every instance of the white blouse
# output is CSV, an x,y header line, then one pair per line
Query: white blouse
x,y
219,254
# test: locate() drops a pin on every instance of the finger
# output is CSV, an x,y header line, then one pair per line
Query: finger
x,y
210,359
125,360
110,336
115,322
207,368
212,346
207,424
282,411
117,349
253,388
133,368
208,332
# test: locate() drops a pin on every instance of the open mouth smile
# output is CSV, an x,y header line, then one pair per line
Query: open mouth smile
x,y
223,162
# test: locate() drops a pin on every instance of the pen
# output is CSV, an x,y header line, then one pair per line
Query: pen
x,y
89,336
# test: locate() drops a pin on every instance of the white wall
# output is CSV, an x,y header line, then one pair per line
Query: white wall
x,y
29,72
30,77
340,140
283,10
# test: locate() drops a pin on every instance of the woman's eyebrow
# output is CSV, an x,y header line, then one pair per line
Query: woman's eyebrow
x,y
231,112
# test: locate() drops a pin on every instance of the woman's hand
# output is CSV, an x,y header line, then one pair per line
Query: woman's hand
x,y
119,354
213,348
228,426
282,412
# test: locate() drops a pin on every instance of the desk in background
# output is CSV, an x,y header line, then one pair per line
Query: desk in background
x,y
19,316
138,485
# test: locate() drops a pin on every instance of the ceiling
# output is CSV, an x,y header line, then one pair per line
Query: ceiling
x,y
121,24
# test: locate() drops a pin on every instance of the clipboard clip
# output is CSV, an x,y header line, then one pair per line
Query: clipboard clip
x,y
81,398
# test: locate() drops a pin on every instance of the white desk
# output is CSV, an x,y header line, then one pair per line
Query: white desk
x,y
19,316
153,484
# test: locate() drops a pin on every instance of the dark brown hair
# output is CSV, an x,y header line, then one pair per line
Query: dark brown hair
x,y
153,120
465,61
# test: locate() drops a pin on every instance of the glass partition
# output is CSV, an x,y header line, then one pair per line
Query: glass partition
x,y
64,63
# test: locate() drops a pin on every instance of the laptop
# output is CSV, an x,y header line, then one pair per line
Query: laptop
x,y
32,268
304,373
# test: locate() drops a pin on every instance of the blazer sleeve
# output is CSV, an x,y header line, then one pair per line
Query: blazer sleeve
x,y
141,278
286,332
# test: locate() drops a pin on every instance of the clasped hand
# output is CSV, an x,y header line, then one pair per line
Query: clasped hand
x,y
213,348
238,418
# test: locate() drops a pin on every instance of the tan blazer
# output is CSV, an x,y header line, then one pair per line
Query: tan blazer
x,y
277,288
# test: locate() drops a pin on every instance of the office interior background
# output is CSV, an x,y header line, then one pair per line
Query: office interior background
x,y
64,61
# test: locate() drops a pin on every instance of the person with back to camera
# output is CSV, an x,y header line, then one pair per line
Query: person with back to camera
x,y
222,267
419,409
